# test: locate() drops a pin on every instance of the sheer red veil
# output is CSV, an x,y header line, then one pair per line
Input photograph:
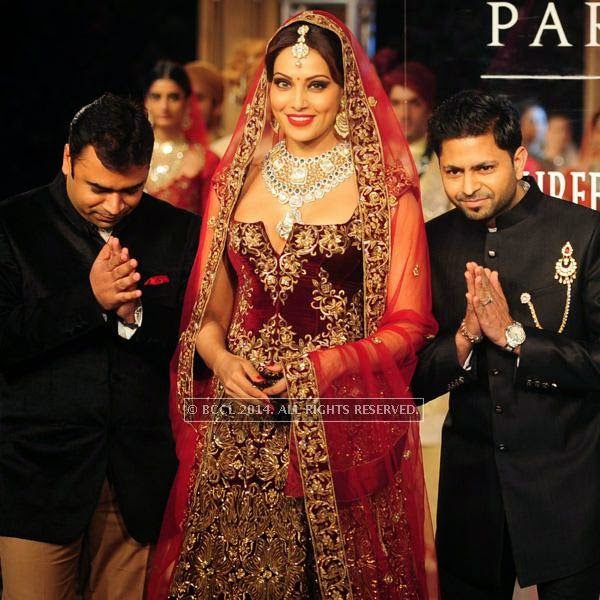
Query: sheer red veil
x,y
362,482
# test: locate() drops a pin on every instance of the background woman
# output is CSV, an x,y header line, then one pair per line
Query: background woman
x,y
311,283
182,166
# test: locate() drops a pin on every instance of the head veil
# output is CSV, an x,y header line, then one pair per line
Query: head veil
x,y
362,482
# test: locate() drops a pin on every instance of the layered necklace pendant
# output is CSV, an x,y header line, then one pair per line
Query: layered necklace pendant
x,y
296,181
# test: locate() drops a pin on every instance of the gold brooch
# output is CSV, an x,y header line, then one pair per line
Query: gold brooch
x,y
566,266
565,271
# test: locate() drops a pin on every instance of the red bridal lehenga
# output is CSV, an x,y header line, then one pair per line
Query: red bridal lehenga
x,y
310,507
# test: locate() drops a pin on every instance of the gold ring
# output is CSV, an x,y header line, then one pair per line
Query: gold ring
x,y
486,301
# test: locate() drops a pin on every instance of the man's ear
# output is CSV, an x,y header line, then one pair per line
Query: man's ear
x,y
66,162
519,160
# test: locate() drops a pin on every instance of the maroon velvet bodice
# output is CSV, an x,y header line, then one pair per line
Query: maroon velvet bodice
x,y
307,297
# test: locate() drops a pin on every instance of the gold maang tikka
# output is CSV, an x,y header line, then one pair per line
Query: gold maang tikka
x,y
300,49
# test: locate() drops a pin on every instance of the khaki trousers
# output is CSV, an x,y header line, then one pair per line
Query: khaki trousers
x,y
105,564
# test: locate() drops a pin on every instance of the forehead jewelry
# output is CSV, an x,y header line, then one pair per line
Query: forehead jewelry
x,y
300,49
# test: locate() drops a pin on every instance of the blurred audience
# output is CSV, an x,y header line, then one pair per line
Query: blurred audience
x,y
560,152
411,89
182,165
238,73
209,88
534,124
589,157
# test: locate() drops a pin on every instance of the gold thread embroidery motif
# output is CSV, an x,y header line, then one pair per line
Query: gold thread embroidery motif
x,y
280,273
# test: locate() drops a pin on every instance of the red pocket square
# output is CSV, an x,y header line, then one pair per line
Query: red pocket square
x,y
157,280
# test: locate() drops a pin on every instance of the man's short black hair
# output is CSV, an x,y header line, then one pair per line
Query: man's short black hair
x,y
472,113
117,128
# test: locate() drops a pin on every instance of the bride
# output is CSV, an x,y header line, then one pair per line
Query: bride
x,y
308,302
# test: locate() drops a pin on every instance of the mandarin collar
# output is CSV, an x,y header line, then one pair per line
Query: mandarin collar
x,y
527,206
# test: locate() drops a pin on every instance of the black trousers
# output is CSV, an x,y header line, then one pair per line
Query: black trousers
x,y
584,585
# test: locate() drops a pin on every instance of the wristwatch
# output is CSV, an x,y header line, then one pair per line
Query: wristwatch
x,y
137,318
515,336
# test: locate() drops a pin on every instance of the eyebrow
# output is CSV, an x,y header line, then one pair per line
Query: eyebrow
x,y
485,163
307,79
131,188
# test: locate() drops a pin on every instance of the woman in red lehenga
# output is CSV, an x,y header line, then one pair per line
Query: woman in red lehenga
x,y
182,165
312,282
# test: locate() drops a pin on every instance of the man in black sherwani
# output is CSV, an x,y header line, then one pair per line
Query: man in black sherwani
x,y
516,291
92,276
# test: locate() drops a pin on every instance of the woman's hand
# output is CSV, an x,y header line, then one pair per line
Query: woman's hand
x,y
279,388
240,378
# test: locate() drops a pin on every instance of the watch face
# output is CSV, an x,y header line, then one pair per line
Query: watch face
x,y
515,335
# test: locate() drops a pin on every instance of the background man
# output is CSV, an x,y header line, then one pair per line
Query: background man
x,y
520,483
86,335
411,89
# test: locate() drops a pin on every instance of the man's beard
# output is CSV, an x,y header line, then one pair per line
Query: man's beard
x,y
486,211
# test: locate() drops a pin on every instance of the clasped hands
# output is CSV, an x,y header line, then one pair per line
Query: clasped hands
x,y
243,382
487,313
114,280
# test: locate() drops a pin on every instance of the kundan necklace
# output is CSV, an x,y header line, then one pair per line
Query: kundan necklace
x,y
296,181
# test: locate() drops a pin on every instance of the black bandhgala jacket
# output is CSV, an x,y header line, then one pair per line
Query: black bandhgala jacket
x,y
521,441
79,403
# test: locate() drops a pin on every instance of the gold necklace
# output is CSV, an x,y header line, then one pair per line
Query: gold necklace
x,y
167,158
295,181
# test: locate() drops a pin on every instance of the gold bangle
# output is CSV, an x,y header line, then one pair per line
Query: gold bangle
x,y
473,339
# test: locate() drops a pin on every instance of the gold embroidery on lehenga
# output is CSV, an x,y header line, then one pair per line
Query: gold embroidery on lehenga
x,y
279,274
388,510
246,538
276,340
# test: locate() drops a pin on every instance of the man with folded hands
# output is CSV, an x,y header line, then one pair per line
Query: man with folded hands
x,y
92,277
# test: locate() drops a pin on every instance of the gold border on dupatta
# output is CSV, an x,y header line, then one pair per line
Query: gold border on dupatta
x,y
227,189
317,481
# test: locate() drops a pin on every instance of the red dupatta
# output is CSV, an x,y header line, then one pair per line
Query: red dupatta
x,y
357,478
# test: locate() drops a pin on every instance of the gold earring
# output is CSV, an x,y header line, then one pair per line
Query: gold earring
x,y
275,125
342,127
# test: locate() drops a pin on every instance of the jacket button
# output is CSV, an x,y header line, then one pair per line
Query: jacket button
x,y
491,253
501,447
495,372
498,408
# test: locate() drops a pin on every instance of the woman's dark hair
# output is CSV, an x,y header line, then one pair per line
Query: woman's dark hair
x,y
472,113
167,69
595,118
324,41
117,128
